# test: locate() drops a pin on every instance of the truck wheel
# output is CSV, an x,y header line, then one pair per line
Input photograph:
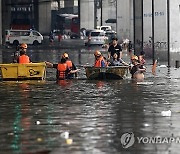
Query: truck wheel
x,y
35,42
15,42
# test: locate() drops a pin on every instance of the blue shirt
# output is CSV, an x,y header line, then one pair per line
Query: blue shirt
x,y
103,63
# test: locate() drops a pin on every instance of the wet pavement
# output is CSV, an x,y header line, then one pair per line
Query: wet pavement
x,y
83,116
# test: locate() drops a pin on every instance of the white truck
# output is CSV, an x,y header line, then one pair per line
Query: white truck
x,y
105,28
16,37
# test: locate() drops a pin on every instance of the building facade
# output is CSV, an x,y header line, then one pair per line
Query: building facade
x,y
95,13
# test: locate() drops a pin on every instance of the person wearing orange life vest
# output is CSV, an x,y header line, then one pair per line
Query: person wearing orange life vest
x,y
70,65
23,58
99,59
62,69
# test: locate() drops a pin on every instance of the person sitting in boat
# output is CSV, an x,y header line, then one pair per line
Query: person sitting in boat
x,y
70,65
62,69
117,62
137,70
142,61
114,48
99,59
23,58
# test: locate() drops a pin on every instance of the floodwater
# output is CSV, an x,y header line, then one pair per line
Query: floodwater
x,y
86,116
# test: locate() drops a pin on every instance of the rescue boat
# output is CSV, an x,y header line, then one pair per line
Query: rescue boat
x,y
29,71
111,72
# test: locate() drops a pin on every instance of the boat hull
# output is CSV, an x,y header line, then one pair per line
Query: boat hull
x,y
112,72
30,71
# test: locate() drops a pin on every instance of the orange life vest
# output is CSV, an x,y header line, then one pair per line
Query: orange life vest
x,y
24,59
69,64
98,62
62,71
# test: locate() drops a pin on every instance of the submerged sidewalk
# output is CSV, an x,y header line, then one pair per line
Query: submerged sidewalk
x,y
64,43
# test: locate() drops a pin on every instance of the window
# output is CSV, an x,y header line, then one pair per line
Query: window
x,y
26,33
35,34
13,33
97,34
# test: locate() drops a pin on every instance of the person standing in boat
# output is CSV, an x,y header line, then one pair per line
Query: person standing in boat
x,y
114,48
62,69
137,70
70,65
99,59
23,58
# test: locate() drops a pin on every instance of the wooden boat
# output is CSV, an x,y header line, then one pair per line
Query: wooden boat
x,y
29,71
111,72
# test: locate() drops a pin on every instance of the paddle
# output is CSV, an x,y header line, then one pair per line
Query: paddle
x,y
154,68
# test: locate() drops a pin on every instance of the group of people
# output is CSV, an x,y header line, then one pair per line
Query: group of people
x,y
114,56
136,68
67,70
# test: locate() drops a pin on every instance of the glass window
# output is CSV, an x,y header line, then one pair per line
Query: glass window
x,y
14,33
103,28
26,33
97,34
35,33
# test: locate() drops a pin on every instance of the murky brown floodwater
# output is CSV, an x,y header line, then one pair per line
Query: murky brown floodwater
x,y
34,115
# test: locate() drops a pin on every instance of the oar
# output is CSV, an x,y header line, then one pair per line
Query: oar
x,y
154,67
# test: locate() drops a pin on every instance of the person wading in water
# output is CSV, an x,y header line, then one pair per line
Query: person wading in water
x,y
137,70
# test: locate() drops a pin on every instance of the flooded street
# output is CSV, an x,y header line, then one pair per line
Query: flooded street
x,y
36,115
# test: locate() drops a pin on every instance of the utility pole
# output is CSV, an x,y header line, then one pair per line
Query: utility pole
x,y
142,25
101,12
95,14
153,52
59,5
168,33
116,16
134,29
79,16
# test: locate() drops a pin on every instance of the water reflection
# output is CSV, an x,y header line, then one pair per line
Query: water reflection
x,y
17,130
100,84
64,83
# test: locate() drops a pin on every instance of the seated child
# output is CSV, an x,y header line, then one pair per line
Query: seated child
x,y
117,62
142,61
